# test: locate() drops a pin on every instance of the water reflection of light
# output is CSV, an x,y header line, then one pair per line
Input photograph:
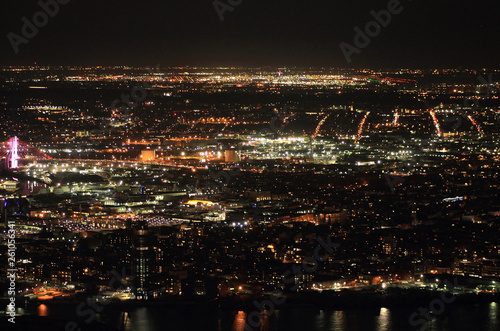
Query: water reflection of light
x,y
321,320
493,314
140,319
384,319
264,321
338,321
239,321
125,320
43,310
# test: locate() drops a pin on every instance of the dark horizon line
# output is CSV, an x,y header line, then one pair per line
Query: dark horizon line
x,y
315,67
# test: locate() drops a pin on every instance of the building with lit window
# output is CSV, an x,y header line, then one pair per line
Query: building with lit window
x,y
141,260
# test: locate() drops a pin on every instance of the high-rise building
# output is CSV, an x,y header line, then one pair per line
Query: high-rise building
x,y
141,260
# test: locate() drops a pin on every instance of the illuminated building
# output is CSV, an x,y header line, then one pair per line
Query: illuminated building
x,y
148,155
141,260
231,155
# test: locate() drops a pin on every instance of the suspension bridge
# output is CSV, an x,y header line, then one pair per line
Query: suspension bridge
x,y
13,151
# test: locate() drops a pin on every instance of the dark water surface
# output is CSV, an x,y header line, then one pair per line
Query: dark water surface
x,y
477,317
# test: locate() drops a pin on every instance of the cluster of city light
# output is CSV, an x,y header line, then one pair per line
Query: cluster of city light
x,y
473,121
361,125
395,123
436,122
320,124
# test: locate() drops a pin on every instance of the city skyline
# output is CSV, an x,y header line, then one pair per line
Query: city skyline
x,y
249,191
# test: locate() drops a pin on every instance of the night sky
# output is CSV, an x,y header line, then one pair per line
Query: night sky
x,y
425,34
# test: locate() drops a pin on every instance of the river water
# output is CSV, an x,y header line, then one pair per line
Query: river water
x,y
477,317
